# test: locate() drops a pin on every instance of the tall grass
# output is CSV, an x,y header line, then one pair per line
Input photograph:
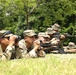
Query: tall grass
x,y
52,64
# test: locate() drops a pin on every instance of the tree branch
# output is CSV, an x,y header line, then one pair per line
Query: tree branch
x,y
34,7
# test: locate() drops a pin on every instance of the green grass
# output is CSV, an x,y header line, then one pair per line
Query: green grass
x,y
52,64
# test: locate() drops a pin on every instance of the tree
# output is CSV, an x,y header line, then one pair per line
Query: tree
x,y
18,15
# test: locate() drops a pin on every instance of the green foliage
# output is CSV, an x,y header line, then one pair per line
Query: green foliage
x,y
18,15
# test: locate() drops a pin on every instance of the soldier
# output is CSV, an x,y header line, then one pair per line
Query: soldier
x,y
58,36
53,39
19,49
56,27
43,36
71,48
50,32
1,51
7,42
30,45
44,41
71,45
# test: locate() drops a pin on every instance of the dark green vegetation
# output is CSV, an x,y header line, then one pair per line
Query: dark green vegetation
x,y
18,15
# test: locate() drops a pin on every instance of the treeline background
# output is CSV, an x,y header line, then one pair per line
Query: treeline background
x,y
18,15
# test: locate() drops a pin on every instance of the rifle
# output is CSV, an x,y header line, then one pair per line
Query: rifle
x,y
45,46
70,38
68,35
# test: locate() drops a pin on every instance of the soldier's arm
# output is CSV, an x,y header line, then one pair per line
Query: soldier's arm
x,y
7,55
37,51
8,52
22,49
62,37
33,53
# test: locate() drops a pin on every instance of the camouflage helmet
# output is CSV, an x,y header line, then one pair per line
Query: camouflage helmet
x,y
50,31
56,27
71,45
29,33
4,33
43,34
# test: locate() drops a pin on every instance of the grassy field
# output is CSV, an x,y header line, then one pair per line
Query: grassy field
x,y
52,64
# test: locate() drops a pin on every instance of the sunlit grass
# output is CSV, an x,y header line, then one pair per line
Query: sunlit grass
x,y
52,64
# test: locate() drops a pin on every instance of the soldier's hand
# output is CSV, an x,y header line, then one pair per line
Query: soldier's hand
x,y
55,42
12,40
36,45
42,39
62,37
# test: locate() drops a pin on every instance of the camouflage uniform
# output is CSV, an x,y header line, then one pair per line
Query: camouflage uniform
x,y
44,39
53,39
17,52
71,48
59,36
1,51
20,51
25,52
8,53
5,54
56,35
